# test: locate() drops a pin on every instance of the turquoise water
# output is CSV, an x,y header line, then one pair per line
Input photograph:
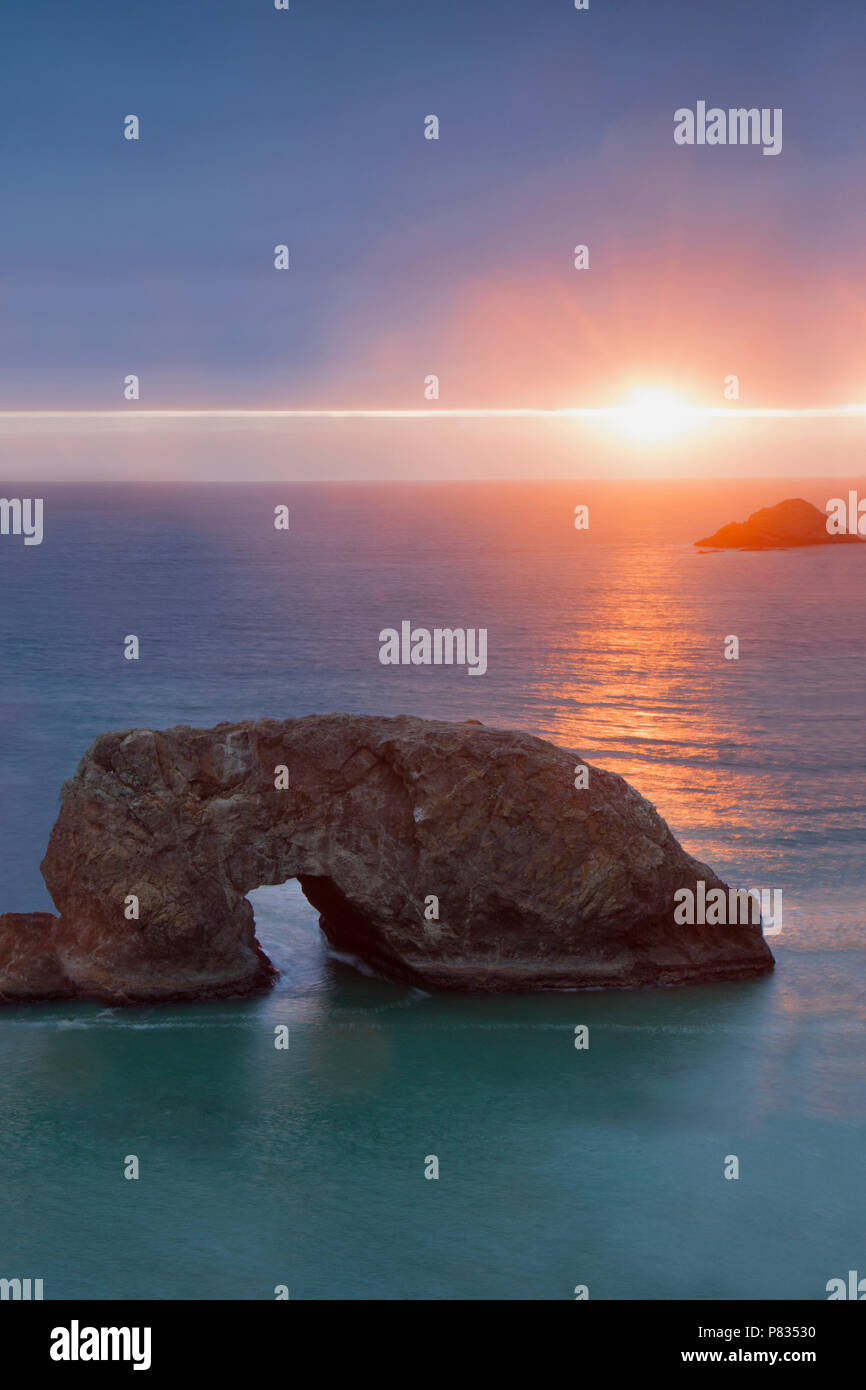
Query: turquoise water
x,y
558,1167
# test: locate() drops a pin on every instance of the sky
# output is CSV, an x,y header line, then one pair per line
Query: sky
x,y
411,257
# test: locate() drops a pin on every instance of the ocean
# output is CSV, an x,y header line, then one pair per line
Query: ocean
x,y
558,1167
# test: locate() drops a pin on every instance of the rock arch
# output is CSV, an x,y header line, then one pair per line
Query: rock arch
x,y
540,885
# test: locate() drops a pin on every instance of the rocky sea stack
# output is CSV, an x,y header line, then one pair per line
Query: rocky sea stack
x,y
539,885
790,523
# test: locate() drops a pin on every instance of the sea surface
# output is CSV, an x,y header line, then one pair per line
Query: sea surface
x,y
558,1167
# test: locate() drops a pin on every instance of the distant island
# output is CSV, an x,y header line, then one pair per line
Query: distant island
x,y
789,523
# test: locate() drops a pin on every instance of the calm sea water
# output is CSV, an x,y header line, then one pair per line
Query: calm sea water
x,y
558,1167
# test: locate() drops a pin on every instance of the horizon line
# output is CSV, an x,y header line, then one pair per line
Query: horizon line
x,y
518,479
446,412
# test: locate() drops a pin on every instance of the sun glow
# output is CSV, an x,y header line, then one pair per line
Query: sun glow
x,y
650,414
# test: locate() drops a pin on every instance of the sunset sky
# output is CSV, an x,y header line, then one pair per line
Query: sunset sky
x,y
410,256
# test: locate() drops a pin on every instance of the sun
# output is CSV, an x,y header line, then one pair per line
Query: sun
x,y
652,414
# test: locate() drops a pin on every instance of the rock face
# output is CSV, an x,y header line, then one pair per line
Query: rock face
x,y
791,523
539,885
29,962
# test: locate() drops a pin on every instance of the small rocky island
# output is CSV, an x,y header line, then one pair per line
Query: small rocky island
x,y
452,856
790,523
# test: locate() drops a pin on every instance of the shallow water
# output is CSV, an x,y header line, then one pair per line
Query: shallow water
x,y
558,1167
